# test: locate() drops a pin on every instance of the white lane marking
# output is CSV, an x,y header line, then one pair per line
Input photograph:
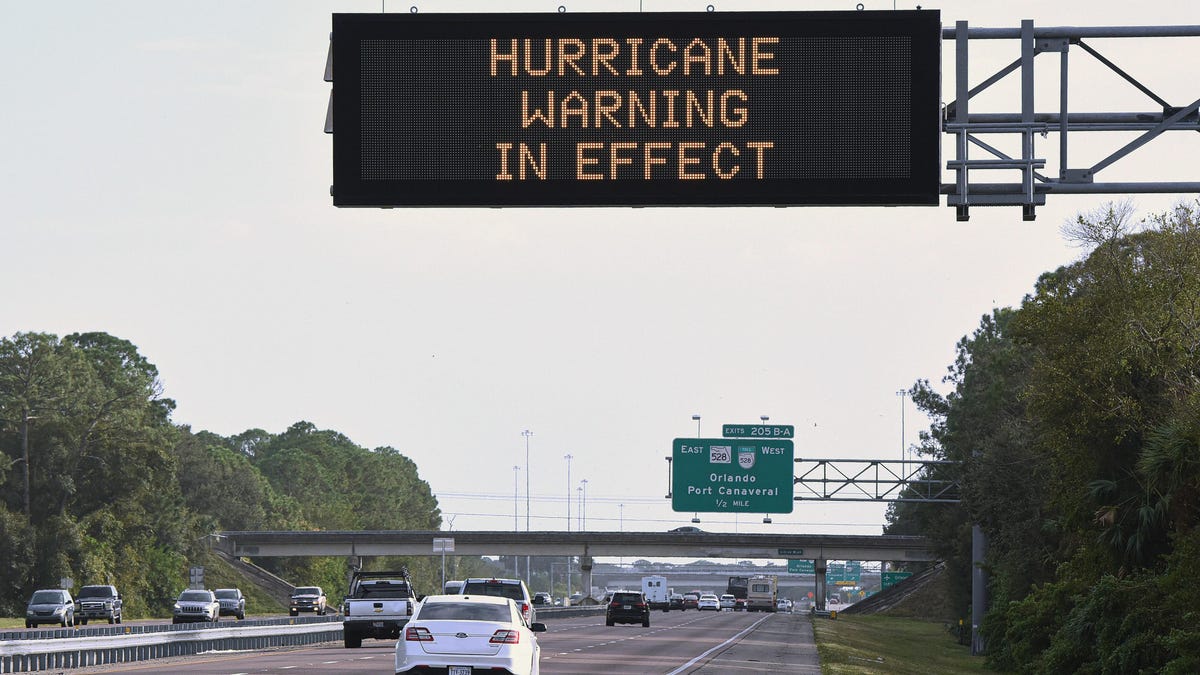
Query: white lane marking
x,y
739,636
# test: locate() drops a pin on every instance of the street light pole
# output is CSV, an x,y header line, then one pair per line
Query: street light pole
x,y
696,515
25,417
568,457
527,433
583,507
516,474
903,450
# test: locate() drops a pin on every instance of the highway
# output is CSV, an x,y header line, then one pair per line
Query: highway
x,y
674,644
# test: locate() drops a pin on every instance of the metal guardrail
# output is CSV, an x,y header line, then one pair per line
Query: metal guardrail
x,y
35,650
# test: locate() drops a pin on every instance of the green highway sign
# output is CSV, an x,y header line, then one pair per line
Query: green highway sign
x,y
721,475
889,579
758,431
802,567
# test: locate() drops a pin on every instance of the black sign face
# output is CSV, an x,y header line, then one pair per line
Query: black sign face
x,y
655,109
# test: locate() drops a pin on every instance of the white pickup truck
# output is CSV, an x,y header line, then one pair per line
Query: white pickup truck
x,y
378,606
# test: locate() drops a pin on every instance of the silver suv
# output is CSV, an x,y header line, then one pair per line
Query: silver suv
x,y
513,589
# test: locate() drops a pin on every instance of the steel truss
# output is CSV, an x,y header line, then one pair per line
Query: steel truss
x,y
1033,187
874,480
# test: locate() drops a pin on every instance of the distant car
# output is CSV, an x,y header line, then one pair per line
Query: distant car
x,y
691,601
627,607
727,601
687,529
453,587
675,601
469,634
98,602
709,601
233,603
196,605
542,598
783,605
307,599
50,606
514,589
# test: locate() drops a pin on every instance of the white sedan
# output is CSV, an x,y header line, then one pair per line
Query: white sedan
x,y
709,601
462,634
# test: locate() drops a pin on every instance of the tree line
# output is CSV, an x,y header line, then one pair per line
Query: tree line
x,y
1073,422
100,486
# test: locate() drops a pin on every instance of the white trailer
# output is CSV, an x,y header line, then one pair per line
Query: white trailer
x,y
658,594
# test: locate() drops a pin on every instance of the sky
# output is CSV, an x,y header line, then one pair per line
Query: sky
x,y
164,177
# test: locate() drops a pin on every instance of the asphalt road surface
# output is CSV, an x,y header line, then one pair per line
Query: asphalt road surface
x,y
676,643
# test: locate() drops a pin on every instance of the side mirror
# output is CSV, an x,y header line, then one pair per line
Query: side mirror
x,y
537,627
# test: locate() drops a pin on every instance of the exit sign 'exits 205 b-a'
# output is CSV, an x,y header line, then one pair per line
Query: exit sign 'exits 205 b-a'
x,y
608,109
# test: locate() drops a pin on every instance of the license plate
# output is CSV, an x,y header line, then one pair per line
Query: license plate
x,y
627,607
377,624
459,670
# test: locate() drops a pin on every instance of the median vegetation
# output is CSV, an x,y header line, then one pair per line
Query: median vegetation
x,y
897,646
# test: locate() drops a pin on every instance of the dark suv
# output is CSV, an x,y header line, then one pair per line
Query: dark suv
x,y
627,607
98,602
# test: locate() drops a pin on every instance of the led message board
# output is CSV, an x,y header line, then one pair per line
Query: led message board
x,y
717,108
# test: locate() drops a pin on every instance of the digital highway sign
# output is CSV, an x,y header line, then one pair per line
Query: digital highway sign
x,y
653,109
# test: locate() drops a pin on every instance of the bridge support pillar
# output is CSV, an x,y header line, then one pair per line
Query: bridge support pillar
x,y
585,575
820,584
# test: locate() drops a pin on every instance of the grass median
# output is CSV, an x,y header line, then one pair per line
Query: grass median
x,y
883,644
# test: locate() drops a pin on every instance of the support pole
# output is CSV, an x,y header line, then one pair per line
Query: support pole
x,y
978,587
820,599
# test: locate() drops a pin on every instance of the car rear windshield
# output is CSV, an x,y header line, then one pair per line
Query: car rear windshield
x,y
464,611
500,590
95,592
625,598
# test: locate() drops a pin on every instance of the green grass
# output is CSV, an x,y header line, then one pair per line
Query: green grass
x,y
882,644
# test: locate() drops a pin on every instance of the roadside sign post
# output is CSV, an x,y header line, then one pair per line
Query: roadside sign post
x,y
443,545
196,577
720,475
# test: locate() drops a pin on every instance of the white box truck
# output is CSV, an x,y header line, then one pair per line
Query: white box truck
x,y
658,595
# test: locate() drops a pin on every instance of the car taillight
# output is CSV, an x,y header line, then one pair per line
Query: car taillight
x,y
410,608
525,607
505,637
419,634
615,604
640,605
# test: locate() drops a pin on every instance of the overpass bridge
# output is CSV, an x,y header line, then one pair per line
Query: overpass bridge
x,y
585,545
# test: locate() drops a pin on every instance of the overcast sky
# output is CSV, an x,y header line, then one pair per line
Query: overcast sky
x,y
164,178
